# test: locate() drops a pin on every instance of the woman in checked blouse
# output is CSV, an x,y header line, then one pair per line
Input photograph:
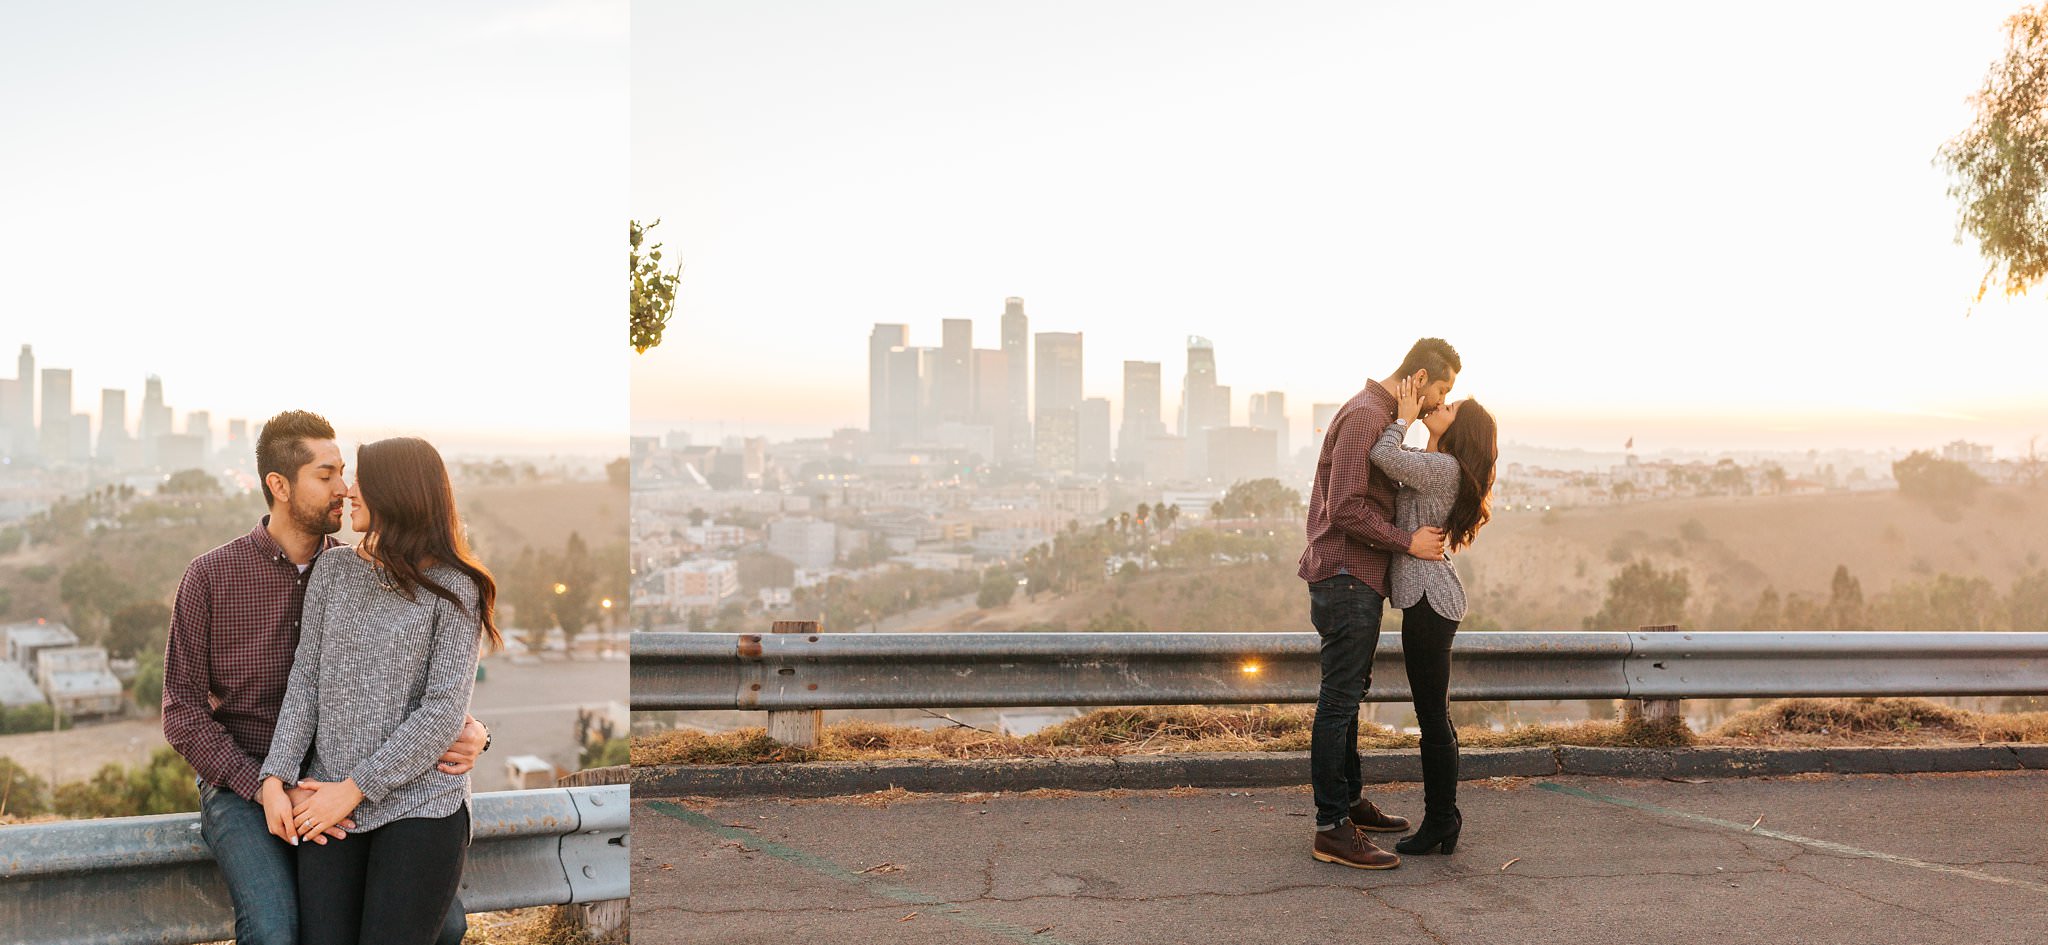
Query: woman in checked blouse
x,y
1449,485
379,686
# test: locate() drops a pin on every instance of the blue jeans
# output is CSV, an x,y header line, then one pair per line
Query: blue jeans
x,y
261,872
1346,614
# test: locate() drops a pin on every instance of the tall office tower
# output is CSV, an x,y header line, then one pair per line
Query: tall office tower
x,y
991,399
1016,448
23,419
113,445
155,422
79,442
882,340
928,406
55,442
9,390
900,394
1056,399
955,376
238,446
1204,404
1141,412
1322,414
1269,412
1056,438
199,423
1092,452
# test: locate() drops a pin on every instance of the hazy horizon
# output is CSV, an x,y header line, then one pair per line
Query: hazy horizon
x,y
1623,235
403,217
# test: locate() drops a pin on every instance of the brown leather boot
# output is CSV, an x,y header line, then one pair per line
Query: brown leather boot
x,y
1345,845
1367,817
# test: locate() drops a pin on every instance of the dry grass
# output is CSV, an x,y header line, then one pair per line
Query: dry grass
x,y
1169,729
1803,722
541,925
1106,732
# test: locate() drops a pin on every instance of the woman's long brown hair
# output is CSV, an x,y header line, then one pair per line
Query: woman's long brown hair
x,y
413,524
1474,441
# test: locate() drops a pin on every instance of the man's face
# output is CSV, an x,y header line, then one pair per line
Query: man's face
x,y
314,497
1436,390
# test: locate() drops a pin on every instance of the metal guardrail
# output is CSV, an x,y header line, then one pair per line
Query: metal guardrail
x,y
131,880
797,671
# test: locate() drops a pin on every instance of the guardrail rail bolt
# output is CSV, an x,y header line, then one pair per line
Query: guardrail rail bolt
x,y
1653,711
799,728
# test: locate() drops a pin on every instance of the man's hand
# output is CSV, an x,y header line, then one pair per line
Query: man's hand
x,y
461,756
326,809
277,810
304,792
1428,543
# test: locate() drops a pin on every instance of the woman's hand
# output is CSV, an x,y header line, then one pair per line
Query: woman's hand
x,y
1408,400
326,809
277,810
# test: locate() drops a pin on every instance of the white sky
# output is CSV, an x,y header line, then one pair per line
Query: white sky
x,y
1700,225
403,215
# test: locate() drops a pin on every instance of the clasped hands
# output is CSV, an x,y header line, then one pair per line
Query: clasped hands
x,y
314,810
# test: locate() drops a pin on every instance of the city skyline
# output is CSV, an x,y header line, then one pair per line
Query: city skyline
x,y
234,198
1690,257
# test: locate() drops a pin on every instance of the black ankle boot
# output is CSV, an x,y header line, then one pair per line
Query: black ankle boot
x,y
1441,820
1436,830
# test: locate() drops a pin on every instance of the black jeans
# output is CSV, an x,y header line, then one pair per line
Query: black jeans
x,y
1426,648
391,885
1346,614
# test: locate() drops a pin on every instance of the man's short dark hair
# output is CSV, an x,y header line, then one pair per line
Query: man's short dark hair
x,y
281,447
1434,355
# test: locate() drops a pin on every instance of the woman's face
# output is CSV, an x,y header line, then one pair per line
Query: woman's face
x,y
358,512
1438,420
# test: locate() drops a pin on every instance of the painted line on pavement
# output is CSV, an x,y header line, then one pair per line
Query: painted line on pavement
x,y
818,864
1827,845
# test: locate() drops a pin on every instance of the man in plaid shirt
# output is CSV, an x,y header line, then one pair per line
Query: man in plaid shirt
x,y
233,633
1351,541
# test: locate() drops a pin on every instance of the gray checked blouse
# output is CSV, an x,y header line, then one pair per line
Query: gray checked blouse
x,y
1429,485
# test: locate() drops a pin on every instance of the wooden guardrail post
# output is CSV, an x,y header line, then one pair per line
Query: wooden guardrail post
x,y
798,728
1652,711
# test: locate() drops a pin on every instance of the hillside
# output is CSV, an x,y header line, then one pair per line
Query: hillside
x,y
1550,571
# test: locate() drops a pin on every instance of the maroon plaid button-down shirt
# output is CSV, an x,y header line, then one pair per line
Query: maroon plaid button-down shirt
x,y
1351,510
233,633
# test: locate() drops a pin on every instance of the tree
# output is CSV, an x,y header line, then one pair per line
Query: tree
x,y
1929,478
997,588
575,589
190,482
138,628
654,291
1845,601
92,590
21,792
619,472
1257,498
1998,166
1642,595
2027,609
148,691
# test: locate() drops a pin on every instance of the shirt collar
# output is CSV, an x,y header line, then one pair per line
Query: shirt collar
x,y
1379,391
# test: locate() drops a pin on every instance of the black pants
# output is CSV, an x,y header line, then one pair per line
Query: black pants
x,y
1346,614
390,885
1426,648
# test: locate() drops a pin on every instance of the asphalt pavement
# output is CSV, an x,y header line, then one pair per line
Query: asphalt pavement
x,y
1852,859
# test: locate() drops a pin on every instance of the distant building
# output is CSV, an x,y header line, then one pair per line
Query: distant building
x,y
1017,365
1058,439
1204,404
1321,415
113,444
811,544
1269,412
1092,450
55,443
952,385
1141,412
78,681
702,584
881,341
990,405
25,640
155,422
1238,454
